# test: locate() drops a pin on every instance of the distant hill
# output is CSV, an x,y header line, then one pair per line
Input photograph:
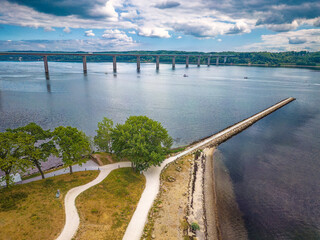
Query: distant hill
x,y
302,58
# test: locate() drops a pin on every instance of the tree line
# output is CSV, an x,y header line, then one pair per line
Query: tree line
x,y
141,140
270,58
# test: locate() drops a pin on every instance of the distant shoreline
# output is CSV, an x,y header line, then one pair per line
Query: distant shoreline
x,y
183,63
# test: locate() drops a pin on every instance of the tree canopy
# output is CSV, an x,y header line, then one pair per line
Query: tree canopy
x,y
13,146
141,140
74,145
103,138
42,146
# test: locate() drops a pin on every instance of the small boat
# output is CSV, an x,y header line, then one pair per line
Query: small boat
x,y
245,77
185,75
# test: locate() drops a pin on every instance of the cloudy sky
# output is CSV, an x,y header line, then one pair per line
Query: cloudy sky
x,y
198,25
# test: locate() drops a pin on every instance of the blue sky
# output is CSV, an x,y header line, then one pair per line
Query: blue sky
x,y
200,25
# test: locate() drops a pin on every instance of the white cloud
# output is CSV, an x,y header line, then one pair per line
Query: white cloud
x,y
206,28
68,45
67,30
305,39
49,29
283,27
154,18
154,32
117,34
89,33
129,15
14,14
107,11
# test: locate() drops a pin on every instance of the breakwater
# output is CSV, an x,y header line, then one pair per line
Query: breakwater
x,y
139,218
204,206
229,132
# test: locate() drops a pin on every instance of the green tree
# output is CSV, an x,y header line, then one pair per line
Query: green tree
x,y
103,138
42,147
74,145
12,153
142,140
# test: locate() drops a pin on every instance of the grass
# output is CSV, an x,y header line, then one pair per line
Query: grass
x,y
106,158
106,209
31,211
176,150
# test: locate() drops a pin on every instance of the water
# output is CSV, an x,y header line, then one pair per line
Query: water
x,y
274,165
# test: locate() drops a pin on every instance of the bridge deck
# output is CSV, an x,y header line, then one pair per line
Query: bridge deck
x,y
111,54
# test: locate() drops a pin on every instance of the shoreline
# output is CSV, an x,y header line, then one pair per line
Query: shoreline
x,y
210,197
229,220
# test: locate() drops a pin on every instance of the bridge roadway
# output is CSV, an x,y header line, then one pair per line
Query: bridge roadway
x,y
115,55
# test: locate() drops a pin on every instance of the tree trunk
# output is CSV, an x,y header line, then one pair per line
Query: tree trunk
x,y
39,168
133,166
70,167
7,179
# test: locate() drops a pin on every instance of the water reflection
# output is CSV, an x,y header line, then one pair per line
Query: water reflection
x,y
275,166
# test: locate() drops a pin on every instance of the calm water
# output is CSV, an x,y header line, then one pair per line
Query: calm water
x,y
274,164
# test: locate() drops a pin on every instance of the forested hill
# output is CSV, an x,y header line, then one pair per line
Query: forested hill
x,y
303,58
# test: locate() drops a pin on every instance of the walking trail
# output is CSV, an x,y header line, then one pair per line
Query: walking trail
x,y
72,216
135,228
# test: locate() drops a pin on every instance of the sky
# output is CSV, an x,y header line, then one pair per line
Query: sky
x,y
187,25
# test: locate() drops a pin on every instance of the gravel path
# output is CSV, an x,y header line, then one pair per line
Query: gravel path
x,y
72,216
89,165
135,228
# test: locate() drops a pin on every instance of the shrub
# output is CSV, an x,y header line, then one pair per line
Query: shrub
x,y
195,226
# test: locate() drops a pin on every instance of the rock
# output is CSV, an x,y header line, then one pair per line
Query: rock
x,y
153,236
160,206
170,179
178,169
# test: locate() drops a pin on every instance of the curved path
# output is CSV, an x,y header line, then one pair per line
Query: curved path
x,y
135,228
72,216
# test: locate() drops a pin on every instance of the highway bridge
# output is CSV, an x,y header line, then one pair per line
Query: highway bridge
x,y
114,57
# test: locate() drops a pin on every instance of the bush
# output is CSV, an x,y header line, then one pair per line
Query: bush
x,y
195,226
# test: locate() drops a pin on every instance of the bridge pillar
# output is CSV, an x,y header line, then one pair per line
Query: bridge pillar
x,y
84,61
187,61
46,67
138,63
157,62
224,60
114,63
208,61
199,61
217,61
173,62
